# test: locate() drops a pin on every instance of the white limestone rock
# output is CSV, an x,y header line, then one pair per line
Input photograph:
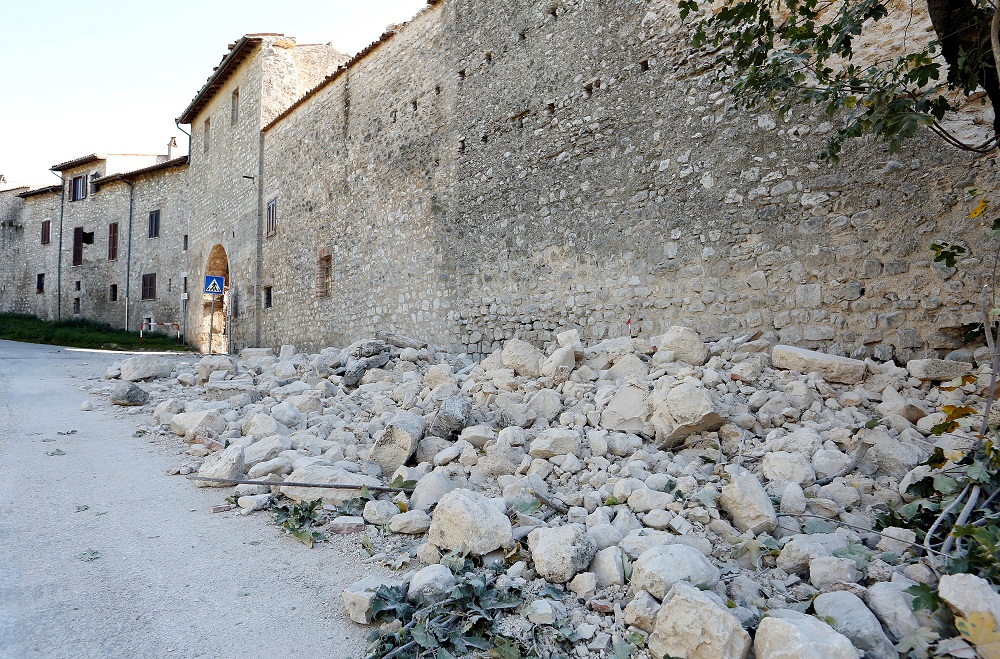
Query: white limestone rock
x,y
641,612
683,410
430,584
412,522
380,512
212,363
745,501
561,552
359,597
265,449
690,624
429,490
523,357
825,571
788,634
198,422
801,548
627,410
311,472
686,345
937,369
659,568
893,606
166,410
848,615
287,414
555,441
466,520
967,593
280,466
397,443
786,467
560,363
833,369
227,463
144,367
608,567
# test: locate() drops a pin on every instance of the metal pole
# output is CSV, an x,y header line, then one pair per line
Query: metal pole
x,y
211,326
62,206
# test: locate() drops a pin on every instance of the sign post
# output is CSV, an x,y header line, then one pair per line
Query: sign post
x,y
214,286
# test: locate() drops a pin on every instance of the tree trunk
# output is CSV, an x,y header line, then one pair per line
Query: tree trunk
x,y
965,29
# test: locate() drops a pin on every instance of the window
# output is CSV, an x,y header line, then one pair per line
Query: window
x,y
78,188
324,272
644,65
113,241
40,283
207,137
184,288
267,297
77,285
78,246
46,232
272,217
235,107
76,305
113,293
185,242
154,224
149,286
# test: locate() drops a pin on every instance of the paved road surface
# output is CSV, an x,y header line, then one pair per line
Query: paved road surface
x,y
173,579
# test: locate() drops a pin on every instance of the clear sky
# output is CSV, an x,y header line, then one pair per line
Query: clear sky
x,y
110,76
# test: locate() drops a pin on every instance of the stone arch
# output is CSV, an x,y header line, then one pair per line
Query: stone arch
x,y
218,322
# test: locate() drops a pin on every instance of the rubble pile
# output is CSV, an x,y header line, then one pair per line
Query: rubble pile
x,y
712,497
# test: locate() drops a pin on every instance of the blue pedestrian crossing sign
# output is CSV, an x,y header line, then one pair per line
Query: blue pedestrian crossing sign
x,y
215,285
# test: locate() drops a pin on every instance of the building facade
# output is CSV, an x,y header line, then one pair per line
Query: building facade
x,y
477,175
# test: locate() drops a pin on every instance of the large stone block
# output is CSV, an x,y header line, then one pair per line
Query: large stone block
x,y
833,369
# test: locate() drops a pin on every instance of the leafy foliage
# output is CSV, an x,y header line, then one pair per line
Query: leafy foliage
x,y
300,520
78,333
783,52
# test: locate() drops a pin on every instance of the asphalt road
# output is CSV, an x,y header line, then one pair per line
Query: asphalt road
x,y
104,555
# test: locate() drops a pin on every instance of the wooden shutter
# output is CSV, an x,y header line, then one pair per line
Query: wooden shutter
x,y
78,246
113,241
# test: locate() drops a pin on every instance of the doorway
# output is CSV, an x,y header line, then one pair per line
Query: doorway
x,y
215,308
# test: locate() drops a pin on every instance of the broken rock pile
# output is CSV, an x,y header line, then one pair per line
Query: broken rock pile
x,y
703,495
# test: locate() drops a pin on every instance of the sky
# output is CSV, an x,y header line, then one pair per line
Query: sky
x,y
110,76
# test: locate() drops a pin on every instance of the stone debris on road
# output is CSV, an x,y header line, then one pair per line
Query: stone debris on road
x,y
701,499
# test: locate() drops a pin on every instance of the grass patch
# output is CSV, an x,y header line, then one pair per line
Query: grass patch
x,y
79,333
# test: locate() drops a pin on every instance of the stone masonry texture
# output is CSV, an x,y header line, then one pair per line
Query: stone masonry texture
x,y
517,169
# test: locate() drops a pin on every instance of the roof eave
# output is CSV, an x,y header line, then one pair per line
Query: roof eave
x,y
237,54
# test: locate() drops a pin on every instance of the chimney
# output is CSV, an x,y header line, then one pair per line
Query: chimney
x,y
171,145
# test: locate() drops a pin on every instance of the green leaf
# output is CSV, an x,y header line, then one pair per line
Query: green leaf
x,y
945,484
708,498
925,597
856,552
978,471
424,639
818,526
526,506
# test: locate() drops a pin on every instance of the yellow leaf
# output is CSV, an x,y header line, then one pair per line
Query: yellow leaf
x,y
980,209
980,630
402,507
952,455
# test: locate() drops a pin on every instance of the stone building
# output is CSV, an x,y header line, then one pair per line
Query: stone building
x,y
512,170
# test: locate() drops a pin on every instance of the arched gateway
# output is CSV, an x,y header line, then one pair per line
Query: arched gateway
x,y
215,308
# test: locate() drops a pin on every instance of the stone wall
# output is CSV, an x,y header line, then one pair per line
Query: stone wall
x,y
513,170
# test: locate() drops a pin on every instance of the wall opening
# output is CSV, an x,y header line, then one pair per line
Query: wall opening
x,y
217,320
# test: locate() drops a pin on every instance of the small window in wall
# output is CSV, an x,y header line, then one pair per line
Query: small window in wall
x,y
78,246
185,242
324,272
461,74
235,107
488,57
206,138
77,285
78,188
88,237
644,65
40,283
267,297
185,285
149,286
46,232
113,293
113,241
170,285
76,305
272,217
154,224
